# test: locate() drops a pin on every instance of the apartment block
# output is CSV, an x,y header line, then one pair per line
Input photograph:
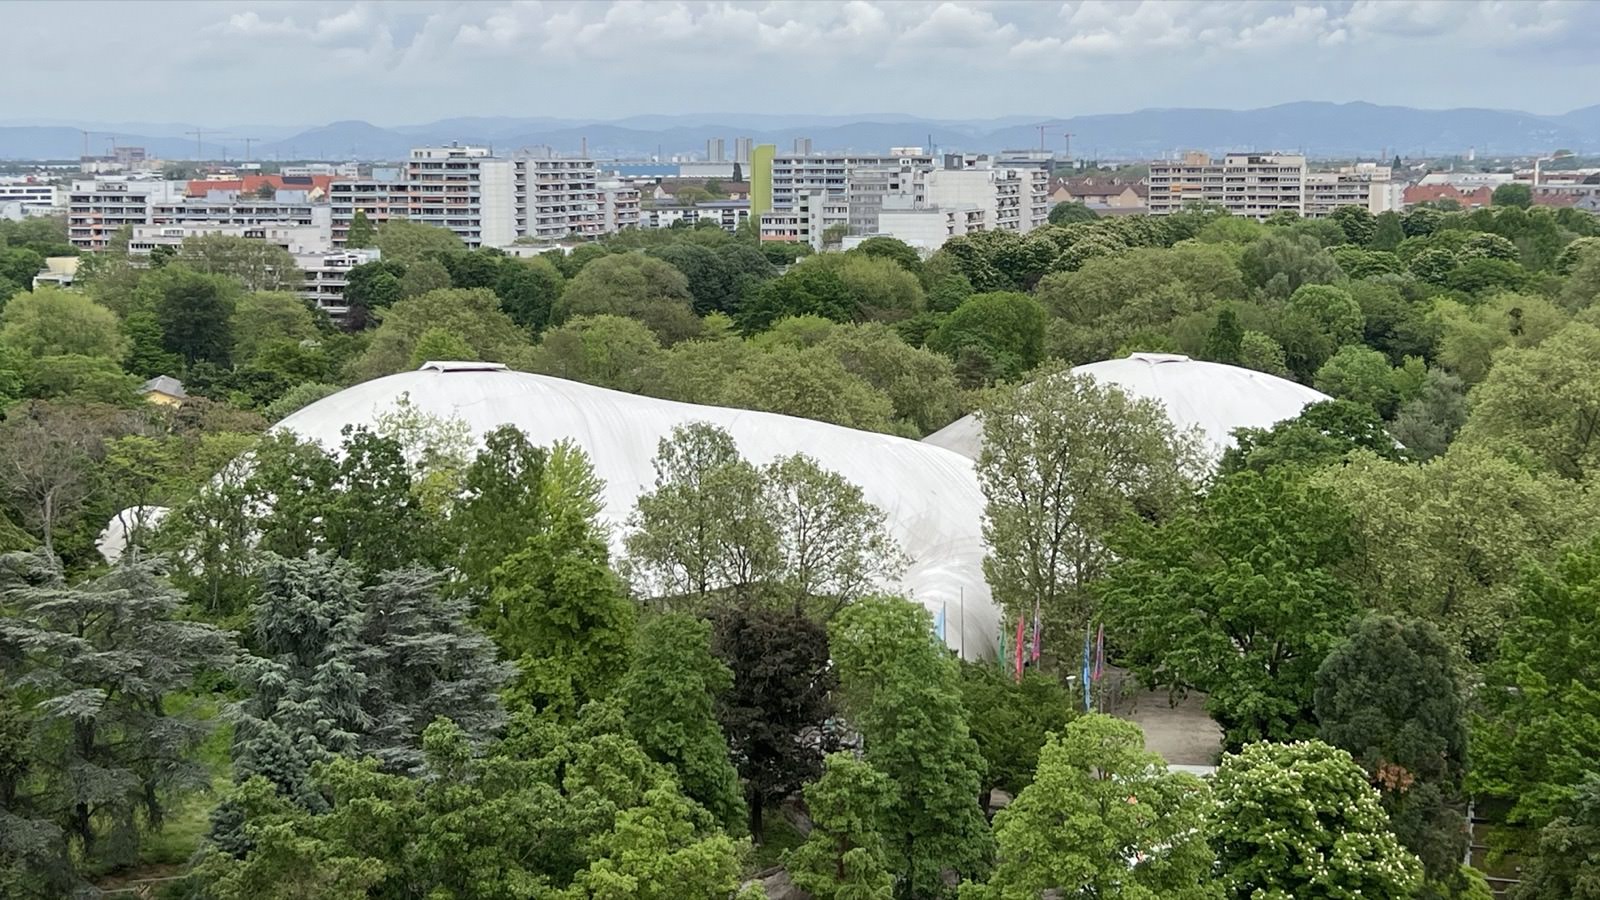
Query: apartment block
x,y
556,198
327,273
807,220
97,208
1245,184
230,208
1366,185
727,214
619,206
296,239
465,190
381,197
801,173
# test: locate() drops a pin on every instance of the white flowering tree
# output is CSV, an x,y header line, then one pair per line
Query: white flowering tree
x,y
1299,821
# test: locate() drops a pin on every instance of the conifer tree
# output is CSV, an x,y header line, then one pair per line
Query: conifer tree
x,y
106,752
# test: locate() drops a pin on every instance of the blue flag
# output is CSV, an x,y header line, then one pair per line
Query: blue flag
x,y
938,623
1086,669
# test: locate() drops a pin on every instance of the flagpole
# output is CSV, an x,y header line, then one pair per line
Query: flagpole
x,y
961,607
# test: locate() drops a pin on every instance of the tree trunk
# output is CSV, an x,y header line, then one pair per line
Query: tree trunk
x,y
758,832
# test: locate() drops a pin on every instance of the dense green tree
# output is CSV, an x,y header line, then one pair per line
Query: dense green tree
x,y
633,285
1103,818
373,286
560,614
1279,264
711,281
1323,433
1068,213
54,322
472,268
806,289
361,232
1470,335
1538,733
528,291
195,312
1446,541
812,383
782,684
257,265
1010,720
885,247
1066,461
260,319
1541,403
670,694
920,384
1392,696
405,242
1004,330
1513,194
472,315
18,265
103,661
1299,820
1240,598
1565,862
845,857
900,688
1359,225
608,351
1359,374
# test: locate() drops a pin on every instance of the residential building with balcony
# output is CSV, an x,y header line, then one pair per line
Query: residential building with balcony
x,y
727,214
465,190
1252,185
619,205
97,208
327,274
381,196
557,198
292,237
1366,185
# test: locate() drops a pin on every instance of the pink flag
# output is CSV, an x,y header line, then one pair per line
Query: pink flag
x,y
1022,622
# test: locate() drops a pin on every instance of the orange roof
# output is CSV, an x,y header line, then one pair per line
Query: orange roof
x,y
1423,193
317,185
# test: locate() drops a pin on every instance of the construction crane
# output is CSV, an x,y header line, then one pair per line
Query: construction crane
x,y
1067,150
199,137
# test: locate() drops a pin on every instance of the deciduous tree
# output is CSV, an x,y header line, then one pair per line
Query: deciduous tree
x,y
1299,820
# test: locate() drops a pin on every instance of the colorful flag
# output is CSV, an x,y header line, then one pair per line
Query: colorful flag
x,y
1086,673
1037,631
1022,622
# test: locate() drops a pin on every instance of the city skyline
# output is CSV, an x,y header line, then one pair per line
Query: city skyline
x,y
398,64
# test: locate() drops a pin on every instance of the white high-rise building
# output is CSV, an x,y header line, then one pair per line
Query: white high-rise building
x,y
557,198
1253,185
97,208
464,189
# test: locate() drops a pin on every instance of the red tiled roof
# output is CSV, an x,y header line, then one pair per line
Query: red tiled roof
x,y
1424,193
248,184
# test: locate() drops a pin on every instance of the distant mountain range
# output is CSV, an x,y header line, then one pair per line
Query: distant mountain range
x,y
1317,128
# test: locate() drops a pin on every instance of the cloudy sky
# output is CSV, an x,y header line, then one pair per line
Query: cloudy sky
x,y
403,63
